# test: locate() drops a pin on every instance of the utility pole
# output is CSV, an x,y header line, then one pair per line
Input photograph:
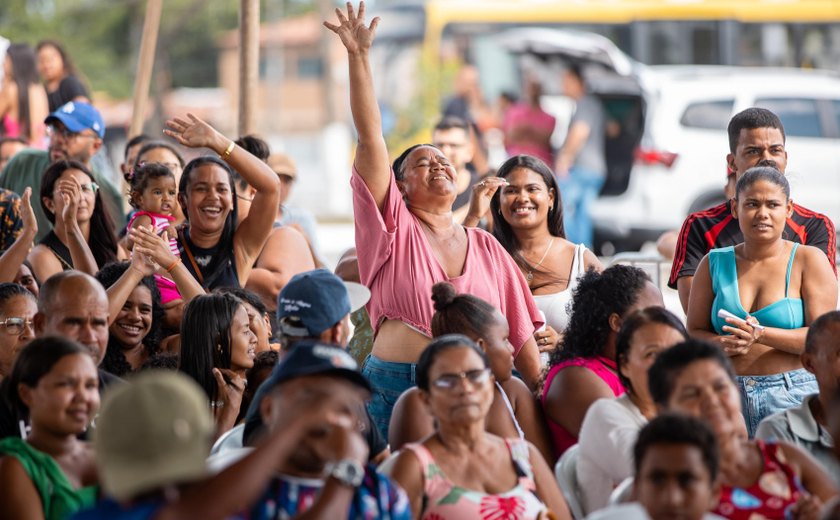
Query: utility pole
x,y
249,60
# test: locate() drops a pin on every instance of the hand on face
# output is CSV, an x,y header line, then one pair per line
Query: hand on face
x,y
70,194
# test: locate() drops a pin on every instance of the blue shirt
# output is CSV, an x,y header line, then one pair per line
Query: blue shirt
x,y
376,498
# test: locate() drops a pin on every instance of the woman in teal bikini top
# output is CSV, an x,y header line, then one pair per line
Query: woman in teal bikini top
x,y
745,280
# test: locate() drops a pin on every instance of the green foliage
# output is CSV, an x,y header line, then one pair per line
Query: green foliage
x,y
103,36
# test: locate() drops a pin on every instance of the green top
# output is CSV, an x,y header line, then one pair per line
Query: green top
x,y
59,498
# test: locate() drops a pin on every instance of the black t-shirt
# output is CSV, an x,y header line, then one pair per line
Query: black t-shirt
x,y
715,227
69,89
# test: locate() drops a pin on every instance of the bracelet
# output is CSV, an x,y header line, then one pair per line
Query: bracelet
x,y
175,263
228,150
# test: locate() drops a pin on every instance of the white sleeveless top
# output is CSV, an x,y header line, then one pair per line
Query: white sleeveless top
x,y
554,305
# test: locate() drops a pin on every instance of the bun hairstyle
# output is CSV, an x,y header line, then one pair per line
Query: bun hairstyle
x,y
459,313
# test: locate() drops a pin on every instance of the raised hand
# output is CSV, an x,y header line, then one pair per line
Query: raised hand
x,y
354,34
230,387
70,194
194,133
30,223
482,194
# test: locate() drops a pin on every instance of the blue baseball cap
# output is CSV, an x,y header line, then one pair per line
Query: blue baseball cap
x,y
77,116
308,357
313,301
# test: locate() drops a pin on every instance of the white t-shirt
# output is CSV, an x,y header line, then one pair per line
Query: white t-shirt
x,y
606,442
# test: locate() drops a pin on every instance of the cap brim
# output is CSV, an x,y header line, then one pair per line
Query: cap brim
x,y
359,295
69,122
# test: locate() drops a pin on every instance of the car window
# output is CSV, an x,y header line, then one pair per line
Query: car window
x,y
713,115
799,115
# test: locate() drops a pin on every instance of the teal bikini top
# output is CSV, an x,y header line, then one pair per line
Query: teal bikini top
x,y
787,313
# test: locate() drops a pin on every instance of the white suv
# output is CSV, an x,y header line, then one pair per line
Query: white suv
x,y
680,163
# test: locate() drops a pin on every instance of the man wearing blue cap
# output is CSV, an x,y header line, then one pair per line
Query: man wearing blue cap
x,y
317,304
76,130
328,475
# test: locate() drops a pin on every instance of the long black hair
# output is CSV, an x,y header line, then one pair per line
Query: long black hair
x,y
501,228
25,74
102,241
596,297
114,361
205,338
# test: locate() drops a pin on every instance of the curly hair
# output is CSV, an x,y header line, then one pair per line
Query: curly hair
x,y
114,360
596,297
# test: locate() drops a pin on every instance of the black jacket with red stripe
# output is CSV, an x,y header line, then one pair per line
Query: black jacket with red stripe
x,y
715,227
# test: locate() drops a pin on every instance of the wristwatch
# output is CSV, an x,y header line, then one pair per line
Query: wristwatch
x,y
347,471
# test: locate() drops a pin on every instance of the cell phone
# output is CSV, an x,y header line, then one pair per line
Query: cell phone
x,y
723,314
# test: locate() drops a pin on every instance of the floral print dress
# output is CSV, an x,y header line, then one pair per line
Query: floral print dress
x,y
443,500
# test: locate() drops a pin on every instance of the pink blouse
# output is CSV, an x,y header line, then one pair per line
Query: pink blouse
x,y
398,266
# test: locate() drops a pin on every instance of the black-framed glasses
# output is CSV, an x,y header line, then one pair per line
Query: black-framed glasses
x,y
15,326
64,133
451,381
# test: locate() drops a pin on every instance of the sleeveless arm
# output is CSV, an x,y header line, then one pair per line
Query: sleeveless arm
x,y
18,496
698,319
408,473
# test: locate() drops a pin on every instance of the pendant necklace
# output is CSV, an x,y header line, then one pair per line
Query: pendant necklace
x,y
530,275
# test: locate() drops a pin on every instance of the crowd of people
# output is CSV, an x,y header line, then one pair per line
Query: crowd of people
x,y
193,358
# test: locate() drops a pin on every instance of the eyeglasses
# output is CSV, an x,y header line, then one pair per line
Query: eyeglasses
x,y
90,187
64,133
451,381
16,326
173,167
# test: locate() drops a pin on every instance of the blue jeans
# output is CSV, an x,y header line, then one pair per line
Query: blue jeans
x,y
578,191
389,380
765,395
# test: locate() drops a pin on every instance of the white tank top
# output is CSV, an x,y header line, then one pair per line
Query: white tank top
x,y
554,305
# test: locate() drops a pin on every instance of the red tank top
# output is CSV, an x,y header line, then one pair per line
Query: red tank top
x,y
771,496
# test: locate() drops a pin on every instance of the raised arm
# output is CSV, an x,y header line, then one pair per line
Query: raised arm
x,y
371,154
252,232
80,252
13,258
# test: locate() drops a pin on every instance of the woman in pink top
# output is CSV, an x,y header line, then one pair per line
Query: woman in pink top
x,y
407,241
23,101
584,370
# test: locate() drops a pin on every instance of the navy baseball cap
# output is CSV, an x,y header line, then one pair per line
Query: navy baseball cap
x,y
313,301
308,357
77,116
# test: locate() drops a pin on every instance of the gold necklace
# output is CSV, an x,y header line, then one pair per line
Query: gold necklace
x,y
530,275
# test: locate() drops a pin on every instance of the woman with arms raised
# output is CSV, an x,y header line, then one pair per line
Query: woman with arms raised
x,y
407,241
774,287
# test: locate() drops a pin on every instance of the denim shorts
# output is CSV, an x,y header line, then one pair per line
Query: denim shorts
x,y
389,380
765,395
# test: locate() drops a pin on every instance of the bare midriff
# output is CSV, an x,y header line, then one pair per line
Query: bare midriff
x,y
398,343
762,360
